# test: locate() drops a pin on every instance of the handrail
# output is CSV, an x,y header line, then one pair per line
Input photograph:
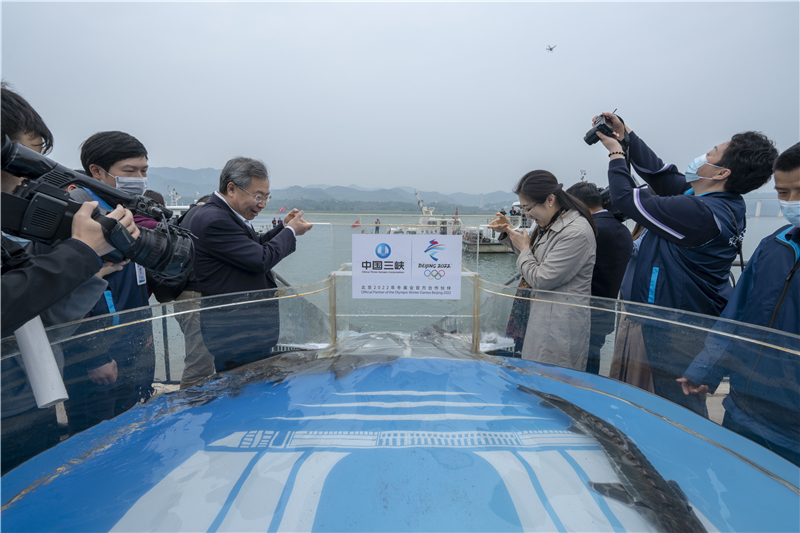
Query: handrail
x,y
652,318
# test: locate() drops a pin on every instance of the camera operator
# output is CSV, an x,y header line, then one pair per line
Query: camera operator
x,y
31,284
695,225
59,284
119,160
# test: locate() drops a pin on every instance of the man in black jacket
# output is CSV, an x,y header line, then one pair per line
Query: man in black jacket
x,y
614,247
31,284
58,284
230,257
198,363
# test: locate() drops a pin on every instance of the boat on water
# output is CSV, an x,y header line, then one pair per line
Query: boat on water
x,y
429,224
482,239
373,420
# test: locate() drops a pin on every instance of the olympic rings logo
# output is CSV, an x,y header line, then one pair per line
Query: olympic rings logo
x,y
434,274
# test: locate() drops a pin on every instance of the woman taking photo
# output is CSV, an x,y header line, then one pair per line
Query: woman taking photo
x,y
558,256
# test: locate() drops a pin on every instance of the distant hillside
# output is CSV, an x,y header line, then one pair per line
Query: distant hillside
x,y
190,184
347,206
300,192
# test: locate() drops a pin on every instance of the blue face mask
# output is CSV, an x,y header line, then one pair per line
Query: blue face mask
x,y
791,212
694,166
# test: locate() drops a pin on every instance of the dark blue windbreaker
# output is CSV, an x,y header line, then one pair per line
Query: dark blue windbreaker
x,y
685,259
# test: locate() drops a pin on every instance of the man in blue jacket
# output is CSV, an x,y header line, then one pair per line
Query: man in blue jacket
x,y
695,224
764,399
230,257
118,160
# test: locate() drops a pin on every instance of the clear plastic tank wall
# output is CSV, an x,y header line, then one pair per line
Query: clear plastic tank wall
x,y
149,346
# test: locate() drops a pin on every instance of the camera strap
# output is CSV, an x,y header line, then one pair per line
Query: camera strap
x,y
625,142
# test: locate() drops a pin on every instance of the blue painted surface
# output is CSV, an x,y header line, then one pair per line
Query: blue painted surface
x,y
403,444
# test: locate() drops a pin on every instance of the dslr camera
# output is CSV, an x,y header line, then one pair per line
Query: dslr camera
x,y
41,210
599,125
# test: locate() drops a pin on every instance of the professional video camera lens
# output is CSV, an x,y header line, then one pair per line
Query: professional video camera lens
x,y
168,253
41,210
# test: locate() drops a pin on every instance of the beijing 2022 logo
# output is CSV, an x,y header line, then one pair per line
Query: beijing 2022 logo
x,y
383,250
434,248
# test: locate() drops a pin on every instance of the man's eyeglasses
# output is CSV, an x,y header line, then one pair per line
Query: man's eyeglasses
x,y
257,197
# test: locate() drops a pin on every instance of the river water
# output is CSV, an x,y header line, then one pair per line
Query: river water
x,y
328,245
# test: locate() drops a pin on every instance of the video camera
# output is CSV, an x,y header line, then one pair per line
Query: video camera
x,y
41,210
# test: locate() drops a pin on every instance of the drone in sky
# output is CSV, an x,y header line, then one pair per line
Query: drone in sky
x,y
551,48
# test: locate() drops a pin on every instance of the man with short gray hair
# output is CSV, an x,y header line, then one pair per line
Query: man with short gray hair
x,y
230,257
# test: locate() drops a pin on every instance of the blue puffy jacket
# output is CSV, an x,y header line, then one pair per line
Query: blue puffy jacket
x,y
765,382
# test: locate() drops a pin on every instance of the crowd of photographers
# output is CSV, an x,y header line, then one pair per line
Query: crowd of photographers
x,y
113,249
689,230
95,243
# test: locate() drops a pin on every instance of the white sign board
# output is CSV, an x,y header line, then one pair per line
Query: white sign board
x,y
424,267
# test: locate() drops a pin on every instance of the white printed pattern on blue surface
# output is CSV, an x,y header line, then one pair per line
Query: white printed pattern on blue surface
x,y
403,439
423,417
406,393
200,493
261,480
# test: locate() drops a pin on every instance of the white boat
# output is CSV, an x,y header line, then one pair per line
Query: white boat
x,y
429,224
481,239
178,210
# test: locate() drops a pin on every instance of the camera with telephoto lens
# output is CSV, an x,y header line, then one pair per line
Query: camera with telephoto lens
x,y
599,125
41,210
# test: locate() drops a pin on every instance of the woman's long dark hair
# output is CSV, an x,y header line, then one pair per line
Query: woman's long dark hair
x,y
537,185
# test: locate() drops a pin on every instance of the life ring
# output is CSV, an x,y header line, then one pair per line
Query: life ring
x,y
467,236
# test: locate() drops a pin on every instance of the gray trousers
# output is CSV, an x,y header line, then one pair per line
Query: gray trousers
x,y
198,363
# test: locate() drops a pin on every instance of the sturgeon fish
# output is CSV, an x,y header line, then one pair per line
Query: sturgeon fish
x,y
659,501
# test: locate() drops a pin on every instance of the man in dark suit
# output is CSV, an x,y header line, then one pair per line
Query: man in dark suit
x,y
614,247
230,257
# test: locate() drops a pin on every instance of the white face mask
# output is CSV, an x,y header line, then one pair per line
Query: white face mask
x,y
130,185
791,212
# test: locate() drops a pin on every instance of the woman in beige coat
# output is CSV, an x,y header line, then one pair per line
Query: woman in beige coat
x,y
559,257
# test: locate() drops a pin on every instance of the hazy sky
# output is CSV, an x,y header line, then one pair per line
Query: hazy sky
x,y
438,96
